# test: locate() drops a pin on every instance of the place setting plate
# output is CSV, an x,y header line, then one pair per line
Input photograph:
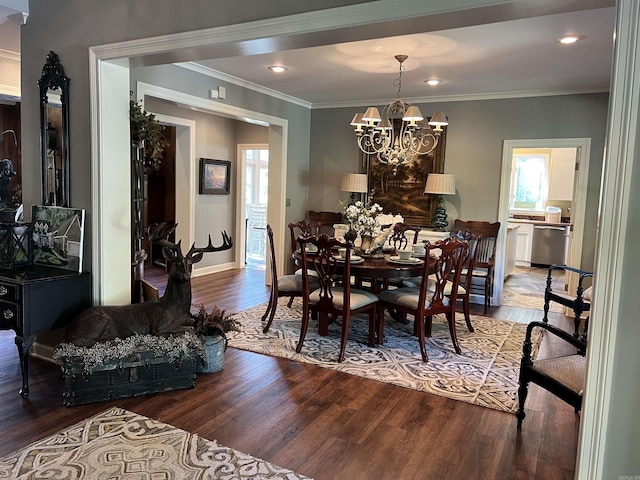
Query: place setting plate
x,y
354,259
409,261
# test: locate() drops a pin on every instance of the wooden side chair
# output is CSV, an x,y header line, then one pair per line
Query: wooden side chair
x,y
284,286
303,228
326,219
431,297
468,265
330,301
579,303
563,376
485,257
403,236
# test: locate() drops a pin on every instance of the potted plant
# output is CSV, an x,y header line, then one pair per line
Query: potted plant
x,y
145,129
212,327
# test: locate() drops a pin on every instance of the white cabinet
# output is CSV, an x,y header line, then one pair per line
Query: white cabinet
x,y
561,174
524,240
512,247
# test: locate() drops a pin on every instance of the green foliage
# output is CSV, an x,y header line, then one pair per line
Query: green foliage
x,y
145,128
216,322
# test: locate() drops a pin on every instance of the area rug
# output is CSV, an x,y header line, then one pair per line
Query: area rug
x,y
118,444
486,373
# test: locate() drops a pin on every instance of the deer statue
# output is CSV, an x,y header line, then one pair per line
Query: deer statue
x,y
168,314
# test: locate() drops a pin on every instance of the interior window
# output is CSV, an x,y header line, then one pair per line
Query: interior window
x,y
529,183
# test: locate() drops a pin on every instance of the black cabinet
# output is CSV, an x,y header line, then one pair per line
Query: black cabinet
x,y
40,298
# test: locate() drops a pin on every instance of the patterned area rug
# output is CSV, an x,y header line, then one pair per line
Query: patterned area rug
x,y
485,374
118,444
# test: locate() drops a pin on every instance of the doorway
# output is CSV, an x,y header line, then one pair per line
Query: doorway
x,y
254,161
578,203
160,194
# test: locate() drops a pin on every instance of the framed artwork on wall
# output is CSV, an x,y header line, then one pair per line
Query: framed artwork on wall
x,y
403,193
58,234
215,177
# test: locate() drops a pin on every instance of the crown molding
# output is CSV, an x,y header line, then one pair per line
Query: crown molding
x,y
210,72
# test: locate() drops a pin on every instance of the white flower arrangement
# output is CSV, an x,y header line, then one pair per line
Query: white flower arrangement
x,y
363,217
174,347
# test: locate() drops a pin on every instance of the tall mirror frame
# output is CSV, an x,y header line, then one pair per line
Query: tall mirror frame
x,y
54,133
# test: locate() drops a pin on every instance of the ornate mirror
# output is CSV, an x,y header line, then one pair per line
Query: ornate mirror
x,y
54,133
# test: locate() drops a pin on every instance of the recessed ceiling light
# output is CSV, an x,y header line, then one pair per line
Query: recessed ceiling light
x,y
569,39
277,68
433,81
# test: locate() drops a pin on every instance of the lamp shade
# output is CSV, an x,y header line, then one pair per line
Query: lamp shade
x,y
438,121
440,184
354,182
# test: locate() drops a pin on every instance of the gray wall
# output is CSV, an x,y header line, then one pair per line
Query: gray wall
x,y
475,136
216,138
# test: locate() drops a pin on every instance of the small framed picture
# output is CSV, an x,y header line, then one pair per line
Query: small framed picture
x,y
215,177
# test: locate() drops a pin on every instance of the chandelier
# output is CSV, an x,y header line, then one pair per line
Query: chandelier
x,y
400,133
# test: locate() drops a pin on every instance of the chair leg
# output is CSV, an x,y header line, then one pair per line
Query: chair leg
x,y
303,327
522,396
345,334
451,319
273,305
487,297
380,323
290,302
419,322
465,309
373,328
269,307
428,322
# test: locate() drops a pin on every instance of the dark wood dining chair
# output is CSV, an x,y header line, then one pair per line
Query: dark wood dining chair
x,y
326,219
485,257
563,376
403,236
468,265
303,228
283,286
330,301
578,302
431,297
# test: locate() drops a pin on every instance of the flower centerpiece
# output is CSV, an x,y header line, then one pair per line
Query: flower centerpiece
x,y
363,220
212,327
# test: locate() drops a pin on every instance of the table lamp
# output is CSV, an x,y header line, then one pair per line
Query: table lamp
x,y
354,183
440,184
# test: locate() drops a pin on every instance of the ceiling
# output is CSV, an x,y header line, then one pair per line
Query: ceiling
x,y
494,60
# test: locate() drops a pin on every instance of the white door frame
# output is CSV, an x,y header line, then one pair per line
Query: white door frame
x,y
579,204
110,139
241,231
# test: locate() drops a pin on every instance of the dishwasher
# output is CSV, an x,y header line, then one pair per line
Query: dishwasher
x,y
548,245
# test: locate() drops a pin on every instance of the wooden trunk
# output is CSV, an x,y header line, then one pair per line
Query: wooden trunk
x,y
138,374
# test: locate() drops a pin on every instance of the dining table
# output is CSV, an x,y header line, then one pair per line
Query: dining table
x,y
375,269
380,267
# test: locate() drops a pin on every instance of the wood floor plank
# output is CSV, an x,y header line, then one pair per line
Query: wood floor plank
x,y
324,424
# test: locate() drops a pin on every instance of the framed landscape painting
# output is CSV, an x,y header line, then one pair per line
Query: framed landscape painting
x,y
403,193
58,234
215,177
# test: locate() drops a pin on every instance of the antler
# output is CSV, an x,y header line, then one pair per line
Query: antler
x,y
195,254
160,231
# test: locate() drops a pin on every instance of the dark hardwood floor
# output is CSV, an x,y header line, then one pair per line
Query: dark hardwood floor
x,y
321,423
